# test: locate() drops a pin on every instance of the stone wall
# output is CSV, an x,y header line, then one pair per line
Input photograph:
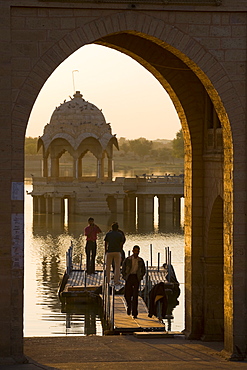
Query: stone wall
x,y
197,53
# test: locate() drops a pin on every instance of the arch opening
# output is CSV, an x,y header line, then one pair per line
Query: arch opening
x,y
191,110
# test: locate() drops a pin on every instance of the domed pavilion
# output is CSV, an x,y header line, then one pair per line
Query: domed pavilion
x,y
76,128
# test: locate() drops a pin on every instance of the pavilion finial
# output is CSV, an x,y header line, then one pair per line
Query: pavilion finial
x,y
77,94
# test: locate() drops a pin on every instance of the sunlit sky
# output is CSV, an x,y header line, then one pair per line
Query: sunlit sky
x,y
131,99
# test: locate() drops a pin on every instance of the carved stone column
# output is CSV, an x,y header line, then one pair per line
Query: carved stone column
x,y
119,203
110,167
45,166
54,167
102,168
145,203
56,204
75,168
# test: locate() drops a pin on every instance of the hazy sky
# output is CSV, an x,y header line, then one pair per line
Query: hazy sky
x,y
131,99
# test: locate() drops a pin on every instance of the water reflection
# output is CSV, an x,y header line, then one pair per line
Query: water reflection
x,y
84,318
54,225
47,239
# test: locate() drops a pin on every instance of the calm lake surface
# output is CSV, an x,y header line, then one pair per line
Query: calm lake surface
x,y
47,239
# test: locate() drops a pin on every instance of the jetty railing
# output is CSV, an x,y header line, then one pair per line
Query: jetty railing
x,y
69,259
108,294
148,282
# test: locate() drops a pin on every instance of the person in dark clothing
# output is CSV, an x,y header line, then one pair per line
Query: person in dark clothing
x,y
113,247
122,251
91,232
133,271
157,294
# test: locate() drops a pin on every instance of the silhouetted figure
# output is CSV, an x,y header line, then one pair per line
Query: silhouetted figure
x,y
113,247
133,271
91,232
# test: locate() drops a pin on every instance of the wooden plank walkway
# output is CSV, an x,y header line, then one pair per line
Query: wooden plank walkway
x,y
78,277
125,323
79,281
80,287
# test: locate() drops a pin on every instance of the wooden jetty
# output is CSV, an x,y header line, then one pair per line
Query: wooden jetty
x,y
124,323
79,287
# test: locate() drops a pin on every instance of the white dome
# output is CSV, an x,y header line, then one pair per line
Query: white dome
x,y
77,116
76,120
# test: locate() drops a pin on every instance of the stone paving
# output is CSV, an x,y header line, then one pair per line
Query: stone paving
x,y
122,352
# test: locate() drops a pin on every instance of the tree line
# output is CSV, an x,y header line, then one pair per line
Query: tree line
x,y
159,150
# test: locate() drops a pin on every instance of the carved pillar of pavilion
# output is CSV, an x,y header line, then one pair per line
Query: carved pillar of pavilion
x,y
75,168
102,168
54,166
110,168
45,166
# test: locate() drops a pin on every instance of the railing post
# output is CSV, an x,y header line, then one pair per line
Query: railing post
x,y
67,263
80,261
146,295
168,263
112,309
85,278
108,301
169,266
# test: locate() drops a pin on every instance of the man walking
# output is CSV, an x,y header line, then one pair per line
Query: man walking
x,y
113,247
133,271
91,232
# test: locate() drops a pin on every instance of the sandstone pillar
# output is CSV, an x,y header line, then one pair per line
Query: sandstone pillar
x,y
54,167
71,205
79,167
110,167
119,203
75,168
39,204
102,168
166,214
145,204
35,204
45,166
169,205
46,204
98,168
131,203
177,210
56,204
166,204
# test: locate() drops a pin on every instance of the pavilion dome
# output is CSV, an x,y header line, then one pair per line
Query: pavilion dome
x,y
76,120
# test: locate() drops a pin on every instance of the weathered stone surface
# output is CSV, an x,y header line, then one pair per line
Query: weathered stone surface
x,y
199,55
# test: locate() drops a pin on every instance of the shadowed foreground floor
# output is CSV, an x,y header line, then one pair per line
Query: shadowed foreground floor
x,y
122,353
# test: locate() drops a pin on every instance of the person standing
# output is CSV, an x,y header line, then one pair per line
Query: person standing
x,y
113,247
133,270
91,232
122,251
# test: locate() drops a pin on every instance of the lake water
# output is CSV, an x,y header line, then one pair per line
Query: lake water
x,y
47,239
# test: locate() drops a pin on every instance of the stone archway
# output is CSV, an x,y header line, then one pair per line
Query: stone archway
x,y
213,326
198,84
